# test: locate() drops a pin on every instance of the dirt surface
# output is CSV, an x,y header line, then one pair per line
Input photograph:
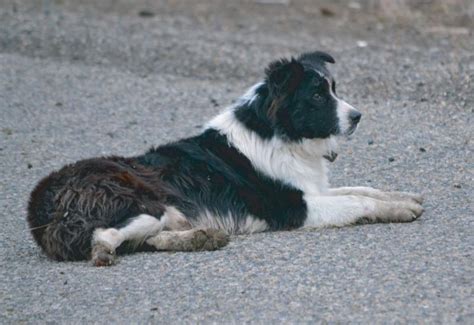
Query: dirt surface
x,y
87,78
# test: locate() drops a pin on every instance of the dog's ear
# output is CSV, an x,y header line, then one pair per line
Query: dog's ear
x,y
284,76
316,56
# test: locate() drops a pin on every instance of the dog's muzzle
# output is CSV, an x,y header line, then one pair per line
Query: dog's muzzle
x,y
354,118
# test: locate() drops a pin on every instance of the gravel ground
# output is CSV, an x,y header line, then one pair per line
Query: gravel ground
x,y
88,78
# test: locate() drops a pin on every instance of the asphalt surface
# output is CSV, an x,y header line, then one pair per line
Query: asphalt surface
x,y
81,79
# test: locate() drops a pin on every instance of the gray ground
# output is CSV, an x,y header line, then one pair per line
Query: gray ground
x,y
96,78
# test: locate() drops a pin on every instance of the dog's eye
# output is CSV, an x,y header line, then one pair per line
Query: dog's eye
x,y
333,86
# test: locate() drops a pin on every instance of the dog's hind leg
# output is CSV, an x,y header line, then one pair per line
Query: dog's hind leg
x,y
106,241
189,240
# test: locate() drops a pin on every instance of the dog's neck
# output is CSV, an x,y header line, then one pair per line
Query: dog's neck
x,y
299,164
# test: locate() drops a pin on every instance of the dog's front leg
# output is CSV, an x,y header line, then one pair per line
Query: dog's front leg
x,y
376,194
348,209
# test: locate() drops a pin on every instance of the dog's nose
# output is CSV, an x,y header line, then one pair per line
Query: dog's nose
x,y
355,116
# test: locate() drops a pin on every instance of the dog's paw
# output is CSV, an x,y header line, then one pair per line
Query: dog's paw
x,y
404,196
209,239
102,255
401,211
406,214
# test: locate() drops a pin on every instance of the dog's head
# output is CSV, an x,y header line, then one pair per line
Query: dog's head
x,y
302,101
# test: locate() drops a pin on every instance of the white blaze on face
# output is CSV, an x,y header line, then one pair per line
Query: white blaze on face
x,y
343,113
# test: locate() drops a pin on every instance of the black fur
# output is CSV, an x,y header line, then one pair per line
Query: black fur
x,y
199,173
208,173
295,101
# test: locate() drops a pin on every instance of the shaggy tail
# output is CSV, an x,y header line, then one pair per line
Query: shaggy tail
x,y
67,206
60,234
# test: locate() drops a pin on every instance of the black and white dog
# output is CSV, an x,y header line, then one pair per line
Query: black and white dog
x,y
261,165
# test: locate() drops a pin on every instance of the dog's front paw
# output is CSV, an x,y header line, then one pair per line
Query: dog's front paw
x,y
404,196
401,211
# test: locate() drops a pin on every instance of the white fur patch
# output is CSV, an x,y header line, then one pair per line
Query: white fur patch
x,y
229,225
300,165
337,210
173,219
137,230
141,227
110,238
347,209
343,112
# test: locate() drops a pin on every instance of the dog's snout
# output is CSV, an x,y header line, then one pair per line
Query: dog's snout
x,y
355,116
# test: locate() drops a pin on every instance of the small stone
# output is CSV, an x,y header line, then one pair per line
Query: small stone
x,y
391,159
29,166
214,102
423,99
370,142
146,13
327,12
59,104
154,308
457,185
7,131
422,149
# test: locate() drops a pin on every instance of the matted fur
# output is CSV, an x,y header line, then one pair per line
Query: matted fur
x,y
68,205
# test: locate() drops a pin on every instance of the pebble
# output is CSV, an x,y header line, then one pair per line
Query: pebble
x,y
146,13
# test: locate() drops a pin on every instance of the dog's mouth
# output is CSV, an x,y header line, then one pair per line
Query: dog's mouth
x,y
330,156
351,130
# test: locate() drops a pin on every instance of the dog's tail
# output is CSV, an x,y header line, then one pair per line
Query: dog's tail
x,y
67,206
60,234
60,220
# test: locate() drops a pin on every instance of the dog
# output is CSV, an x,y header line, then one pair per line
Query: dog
x,y
260,165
